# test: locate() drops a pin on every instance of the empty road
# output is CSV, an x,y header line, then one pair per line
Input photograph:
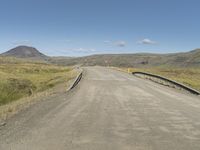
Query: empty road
x,y
108,110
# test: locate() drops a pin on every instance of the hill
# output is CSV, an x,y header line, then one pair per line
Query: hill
x,y
187,59
24,52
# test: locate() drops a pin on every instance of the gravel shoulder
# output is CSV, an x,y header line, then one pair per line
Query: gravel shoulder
x,y
108,110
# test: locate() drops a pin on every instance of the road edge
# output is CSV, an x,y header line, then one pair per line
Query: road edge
x,y
76,80
178,84
185,87
73,84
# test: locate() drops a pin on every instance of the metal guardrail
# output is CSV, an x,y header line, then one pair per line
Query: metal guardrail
x,y
191,90
2,123
77,80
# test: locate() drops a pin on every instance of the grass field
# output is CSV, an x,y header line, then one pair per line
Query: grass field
x,y
187,76
20,78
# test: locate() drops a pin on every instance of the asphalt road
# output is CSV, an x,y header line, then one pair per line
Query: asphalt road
x,y
108,110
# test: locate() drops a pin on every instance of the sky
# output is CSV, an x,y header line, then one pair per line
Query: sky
x,y
85,27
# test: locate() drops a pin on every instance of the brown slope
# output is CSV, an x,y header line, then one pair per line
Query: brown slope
x,y
187,59
24,52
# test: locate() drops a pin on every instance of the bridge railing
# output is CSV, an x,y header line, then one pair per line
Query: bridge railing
x,y
180,85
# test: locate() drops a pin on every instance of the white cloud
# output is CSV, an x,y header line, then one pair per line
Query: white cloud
x,y
147,42
82,50
116,43
120,43
107,42
64,40
21,42
67,41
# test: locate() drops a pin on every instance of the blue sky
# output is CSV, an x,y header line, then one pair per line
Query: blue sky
x,y
84,27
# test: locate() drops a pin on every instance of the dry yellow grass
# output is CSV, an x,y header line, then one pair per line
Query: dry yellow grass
x,y
20,79
14,107
187,76
23,82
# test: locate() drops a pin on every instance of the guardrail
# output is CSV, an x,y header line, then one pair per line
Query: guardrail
x,y
77,80
180,85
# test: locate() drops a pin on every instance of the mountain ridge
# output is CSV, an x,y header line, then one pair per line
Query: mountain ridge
x,y
24,52
181,59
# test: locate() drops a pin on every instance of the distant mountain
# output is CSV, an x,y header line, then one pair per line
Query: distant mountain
x,y
187,59
25,52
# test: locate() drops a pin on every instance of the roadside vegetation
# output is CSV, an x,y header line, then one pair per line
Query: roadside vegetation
x,y
187,76
20,78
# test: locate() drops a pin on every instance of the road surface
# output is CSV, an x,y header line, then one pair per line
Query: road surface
x,y
108,110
